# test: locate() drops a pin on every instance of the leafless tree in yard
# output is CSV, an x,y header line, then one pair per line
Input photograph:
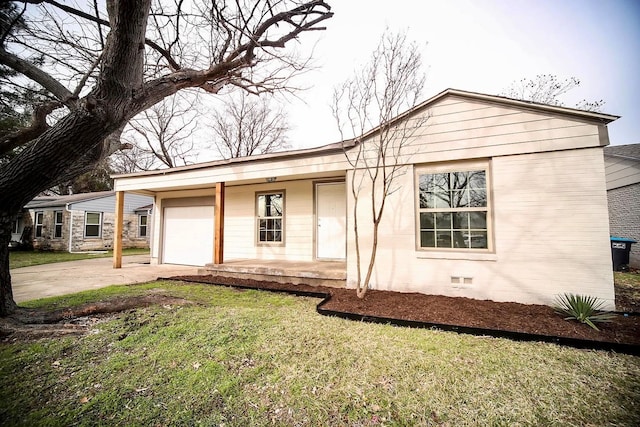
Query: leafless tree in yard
x,y
249,125
162,135
102,64
375,97
548,89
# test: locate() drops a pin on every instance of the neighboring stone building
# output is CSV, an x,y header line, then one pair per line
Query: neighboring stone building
x,y
90,217
622,168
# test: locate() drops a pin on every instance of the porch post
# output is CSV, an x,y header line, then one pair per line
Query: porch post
x,y
117,230
218,244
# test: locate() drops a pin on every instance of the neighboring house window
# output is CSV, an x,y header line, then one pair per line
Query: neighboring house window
x,y
142,225
16,226
58,224
270,217
453,209
92,224
38,223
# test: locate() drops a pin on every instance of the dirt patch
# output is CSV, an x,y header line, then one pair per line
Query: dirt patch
x,y
464,312
27,324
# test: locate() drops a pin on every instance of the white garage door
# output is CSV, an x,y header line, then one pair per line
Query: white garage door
x,y
188,235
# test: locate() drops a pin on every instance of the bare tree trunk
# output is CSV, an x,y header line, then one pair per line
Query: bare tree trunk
x,y
7,304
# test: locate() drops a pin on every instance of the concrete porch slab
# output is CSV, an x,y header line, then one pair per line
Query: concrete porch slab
x,y
314,273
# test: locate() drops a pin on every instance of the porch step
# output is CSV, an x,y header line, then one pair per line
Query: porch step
x,y
329,273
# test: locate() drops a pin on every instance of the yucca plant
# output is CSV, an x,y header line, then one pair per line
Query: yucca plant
x,y
583,308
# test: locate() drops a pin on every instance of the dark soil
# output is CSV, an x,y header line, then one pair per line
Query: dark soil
x,y
464,312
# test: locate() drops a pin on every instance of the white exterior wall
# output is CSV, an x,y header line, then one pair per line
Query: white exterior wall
x,y
240,222
549,207
550,231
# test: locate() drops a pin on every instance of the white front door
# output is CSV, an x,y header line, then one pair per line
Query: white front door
x,y
188,235
331,227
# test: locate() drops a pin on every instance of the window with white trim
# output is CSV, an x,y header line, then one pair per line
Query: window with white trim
x,y
453,209
270,217
38,223
15,229
142,225
92,224
57,232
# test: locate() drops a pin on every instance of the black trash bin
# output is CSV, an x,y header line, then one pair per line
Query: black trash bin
x,y
620,248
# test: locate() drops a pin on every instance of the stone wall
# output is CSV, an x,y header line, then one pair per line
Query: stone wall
x,y
624,217
47,241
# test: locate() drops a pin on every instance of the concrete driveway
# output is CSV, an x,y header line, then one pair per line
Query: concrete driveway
x,y
62,278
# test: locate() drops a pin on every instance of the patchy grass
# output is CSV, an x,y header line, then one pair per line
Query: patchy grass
x,y
18,259
255,358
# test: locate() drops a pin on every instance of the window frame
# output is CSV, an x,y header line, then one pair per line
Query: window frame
x,y
38,227
15,227
427,169
258,218
57,225
86,224
145,225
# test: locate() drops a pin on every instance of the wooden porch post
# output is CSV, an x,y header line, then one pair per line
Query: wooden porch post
x,y
218,244
117,230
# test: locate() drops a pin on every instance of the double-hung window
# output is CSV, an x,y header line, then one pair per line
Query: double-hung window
x,y
270,217
92,224
142,225
453,208
38,223
57,232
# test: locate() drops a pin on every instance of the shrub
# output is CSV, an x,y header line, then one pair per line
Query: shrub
x,y
583,308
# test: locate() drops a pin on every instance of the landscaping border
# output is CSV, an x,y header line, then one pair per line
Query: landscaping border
x,y
631,349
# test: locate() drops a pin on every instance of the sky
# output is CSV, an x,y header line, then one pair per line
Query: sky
x,y
481,46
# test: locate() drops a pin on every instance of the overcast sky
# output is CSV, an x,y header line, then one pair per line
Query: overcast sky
x,y
483,46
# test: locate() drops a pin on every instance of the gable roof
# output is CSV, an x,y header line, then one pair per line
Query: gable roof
x,y
629,151
61,201
589,116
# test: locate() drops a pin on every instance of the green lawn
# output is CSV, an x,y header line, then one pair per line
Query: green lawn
x,y
19,259
254,358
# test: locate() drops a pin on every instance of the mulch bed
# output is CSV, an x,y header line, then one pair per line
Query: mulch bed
x,y
456,311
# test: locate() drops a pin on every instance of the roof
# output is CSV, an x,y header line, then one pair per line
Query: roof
x,y
59,201
347,144
629,151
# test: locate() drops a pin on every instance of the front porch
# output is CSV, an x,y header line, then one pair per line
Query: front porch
x,y
313,273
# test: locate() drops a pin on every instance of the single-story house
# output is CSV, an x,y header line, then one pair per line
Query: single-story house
x,y
529,221
83,222
622,169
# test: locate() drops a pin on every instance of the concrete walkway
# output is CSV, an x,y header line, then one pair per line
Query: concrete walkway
x,y
62,278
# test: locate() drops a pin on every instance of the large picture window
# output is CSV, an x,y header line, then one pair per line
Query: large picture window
x,y
92,224
453,209
270,217
57,232
39,220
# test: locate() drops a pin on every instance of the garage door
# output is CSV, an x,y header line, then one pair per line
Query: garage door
x,y
188,235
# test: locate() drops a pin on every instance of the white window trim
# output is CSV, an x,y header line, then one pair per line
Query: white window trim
x,y
36,224
15,227
482,254
146,226
99,225
56,224
258,242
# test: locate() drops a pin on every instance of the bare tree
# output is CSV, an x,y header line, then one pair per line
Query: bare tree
x,y
106,64
162,135
391,83
548,89
249,125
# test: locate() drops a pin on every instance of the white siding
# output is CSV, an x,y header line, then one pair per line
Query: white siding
x,y
240,222
621,172
550,232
